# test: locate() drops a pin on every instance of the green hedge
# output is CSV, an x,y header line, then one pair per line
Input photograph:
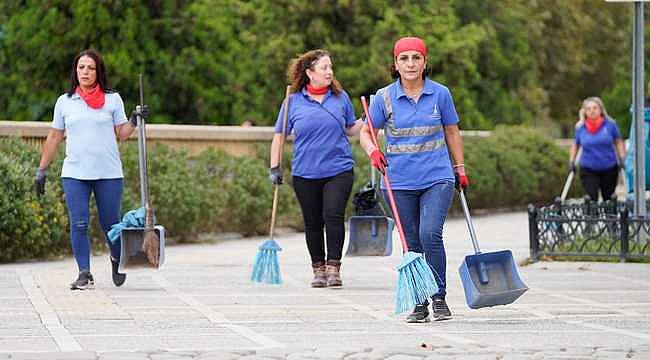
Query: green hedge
x,y
216,192
29,227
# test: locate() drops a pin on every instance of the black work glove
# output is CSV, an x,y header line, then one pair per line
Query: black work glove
x,y
143,111
275,175
572,166
41,175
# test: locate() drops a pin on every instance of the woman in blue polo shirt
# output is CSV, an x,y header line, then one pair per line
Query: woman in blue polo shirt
x,y
321,117
92,117
421,128
602,149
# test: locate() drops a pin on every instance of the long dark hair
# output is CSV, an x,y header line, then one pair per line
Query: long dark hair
x,y
100,68
297,70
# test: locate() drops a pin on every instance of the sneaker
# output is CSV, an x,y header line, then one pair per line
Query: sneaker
x,y
440,309
118,278
420,314
85,281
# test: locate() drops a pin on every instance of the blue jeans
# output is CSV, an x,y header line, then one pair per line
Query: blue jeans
x,y
108,198
423,213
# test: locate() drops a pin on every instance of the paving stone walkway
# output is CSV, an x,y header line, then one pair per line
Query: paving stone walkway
x,y
201,305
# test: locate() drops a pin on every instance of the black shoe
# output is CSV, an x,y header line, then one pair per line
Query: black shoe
x,y
85,281
118,278
420,314
440,308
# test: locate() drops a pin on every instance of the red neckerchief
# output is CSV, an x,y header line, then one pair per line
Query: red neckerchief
x,y
94,98
317,91
593,125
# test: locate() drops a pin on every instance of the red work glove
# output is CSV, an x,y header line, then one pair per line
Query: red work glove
x,y
462,181
378,160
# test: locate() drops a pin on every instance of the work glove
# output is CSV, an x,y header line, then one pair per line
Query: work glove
x,y
143,111
275,175
378,160
462,181
572,166
41,175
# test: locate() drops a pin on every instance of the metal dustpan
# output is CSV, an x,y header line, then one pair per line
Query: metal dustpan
x,y
489,279
132,254
134,248
371,232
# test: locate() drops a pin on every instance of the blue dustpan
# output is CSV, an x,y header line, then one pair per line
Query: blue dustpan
x,y
371,232
489,279
370,236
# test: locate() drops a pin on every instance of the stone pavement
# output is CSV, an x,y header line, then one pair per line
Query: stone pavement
x,y
201,305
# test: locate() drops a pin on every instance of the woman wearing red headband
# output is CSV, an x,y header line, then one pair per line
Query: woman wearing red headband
x,y
421,128
321,117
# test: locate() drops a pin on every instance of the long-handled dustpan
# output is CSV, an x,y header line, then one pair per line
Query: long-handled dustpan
x,y
371,231
489,279
143,246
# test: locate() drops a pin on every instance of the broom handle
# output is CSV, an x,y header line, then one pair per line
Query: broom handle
x,y
470,224
567,186
275,208
142,153
282,139
393,206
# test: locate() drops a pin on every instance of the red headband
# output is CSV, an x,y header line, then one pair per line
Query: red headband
x,y
410,43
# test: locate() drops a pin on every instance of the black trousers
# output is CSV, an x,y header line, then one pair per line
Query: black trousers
x,y
323,203
603,180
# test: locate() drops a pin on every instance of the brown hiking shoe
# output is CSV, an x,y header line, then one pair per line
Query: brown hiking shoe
x,y
320,277
334,273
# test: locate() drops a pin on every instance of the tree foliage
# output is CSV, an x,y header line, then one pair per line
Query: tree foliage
x,y
224,61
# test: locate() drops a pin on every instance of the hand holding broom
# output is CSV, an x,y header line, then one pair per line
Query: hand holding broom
x,y
415,281
266,267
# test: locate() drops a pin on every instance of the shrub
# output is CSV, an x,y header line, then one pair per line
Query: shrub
x,y
30,227
217,192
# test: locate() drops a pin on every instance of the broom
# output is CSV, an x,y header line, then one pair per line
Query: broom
x,y
415,281
151,243
266,267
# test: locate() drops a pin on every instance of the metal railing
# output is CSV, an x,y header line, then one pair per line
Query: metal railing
x,y
579,228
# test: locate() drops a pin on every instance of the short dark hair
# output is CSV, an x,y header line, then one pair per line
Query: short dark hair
x,y
102,78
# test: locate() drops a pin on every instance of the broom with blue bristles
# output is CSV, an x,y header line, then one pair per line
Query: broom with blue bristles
x,y
266,267
415,281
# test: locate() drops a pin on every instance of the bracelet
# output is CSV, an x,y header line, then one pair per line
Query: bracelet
x,y
459,165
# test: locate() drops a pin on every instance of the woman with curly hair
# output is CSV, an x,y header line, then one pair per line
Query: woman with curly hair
x,y
321,118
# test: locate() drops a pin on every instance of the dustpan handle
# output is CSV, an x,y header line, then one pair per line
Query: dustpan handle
x,y
470,224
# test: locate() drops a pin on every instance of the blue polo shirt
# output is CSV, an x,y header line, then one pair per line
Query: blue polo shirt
x,y
321,147
598,151
91,151
416,150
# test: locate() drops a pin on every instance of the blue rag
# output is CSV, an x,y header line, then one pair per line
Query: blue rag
x,y
133,218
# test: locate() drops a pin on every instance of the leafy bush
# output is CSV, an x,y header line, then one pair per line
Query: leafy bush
x,y
30,227
217,192
512,167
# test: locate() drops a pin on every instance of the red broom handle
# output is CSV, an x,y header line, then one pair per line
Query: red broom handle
x,y
393,206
